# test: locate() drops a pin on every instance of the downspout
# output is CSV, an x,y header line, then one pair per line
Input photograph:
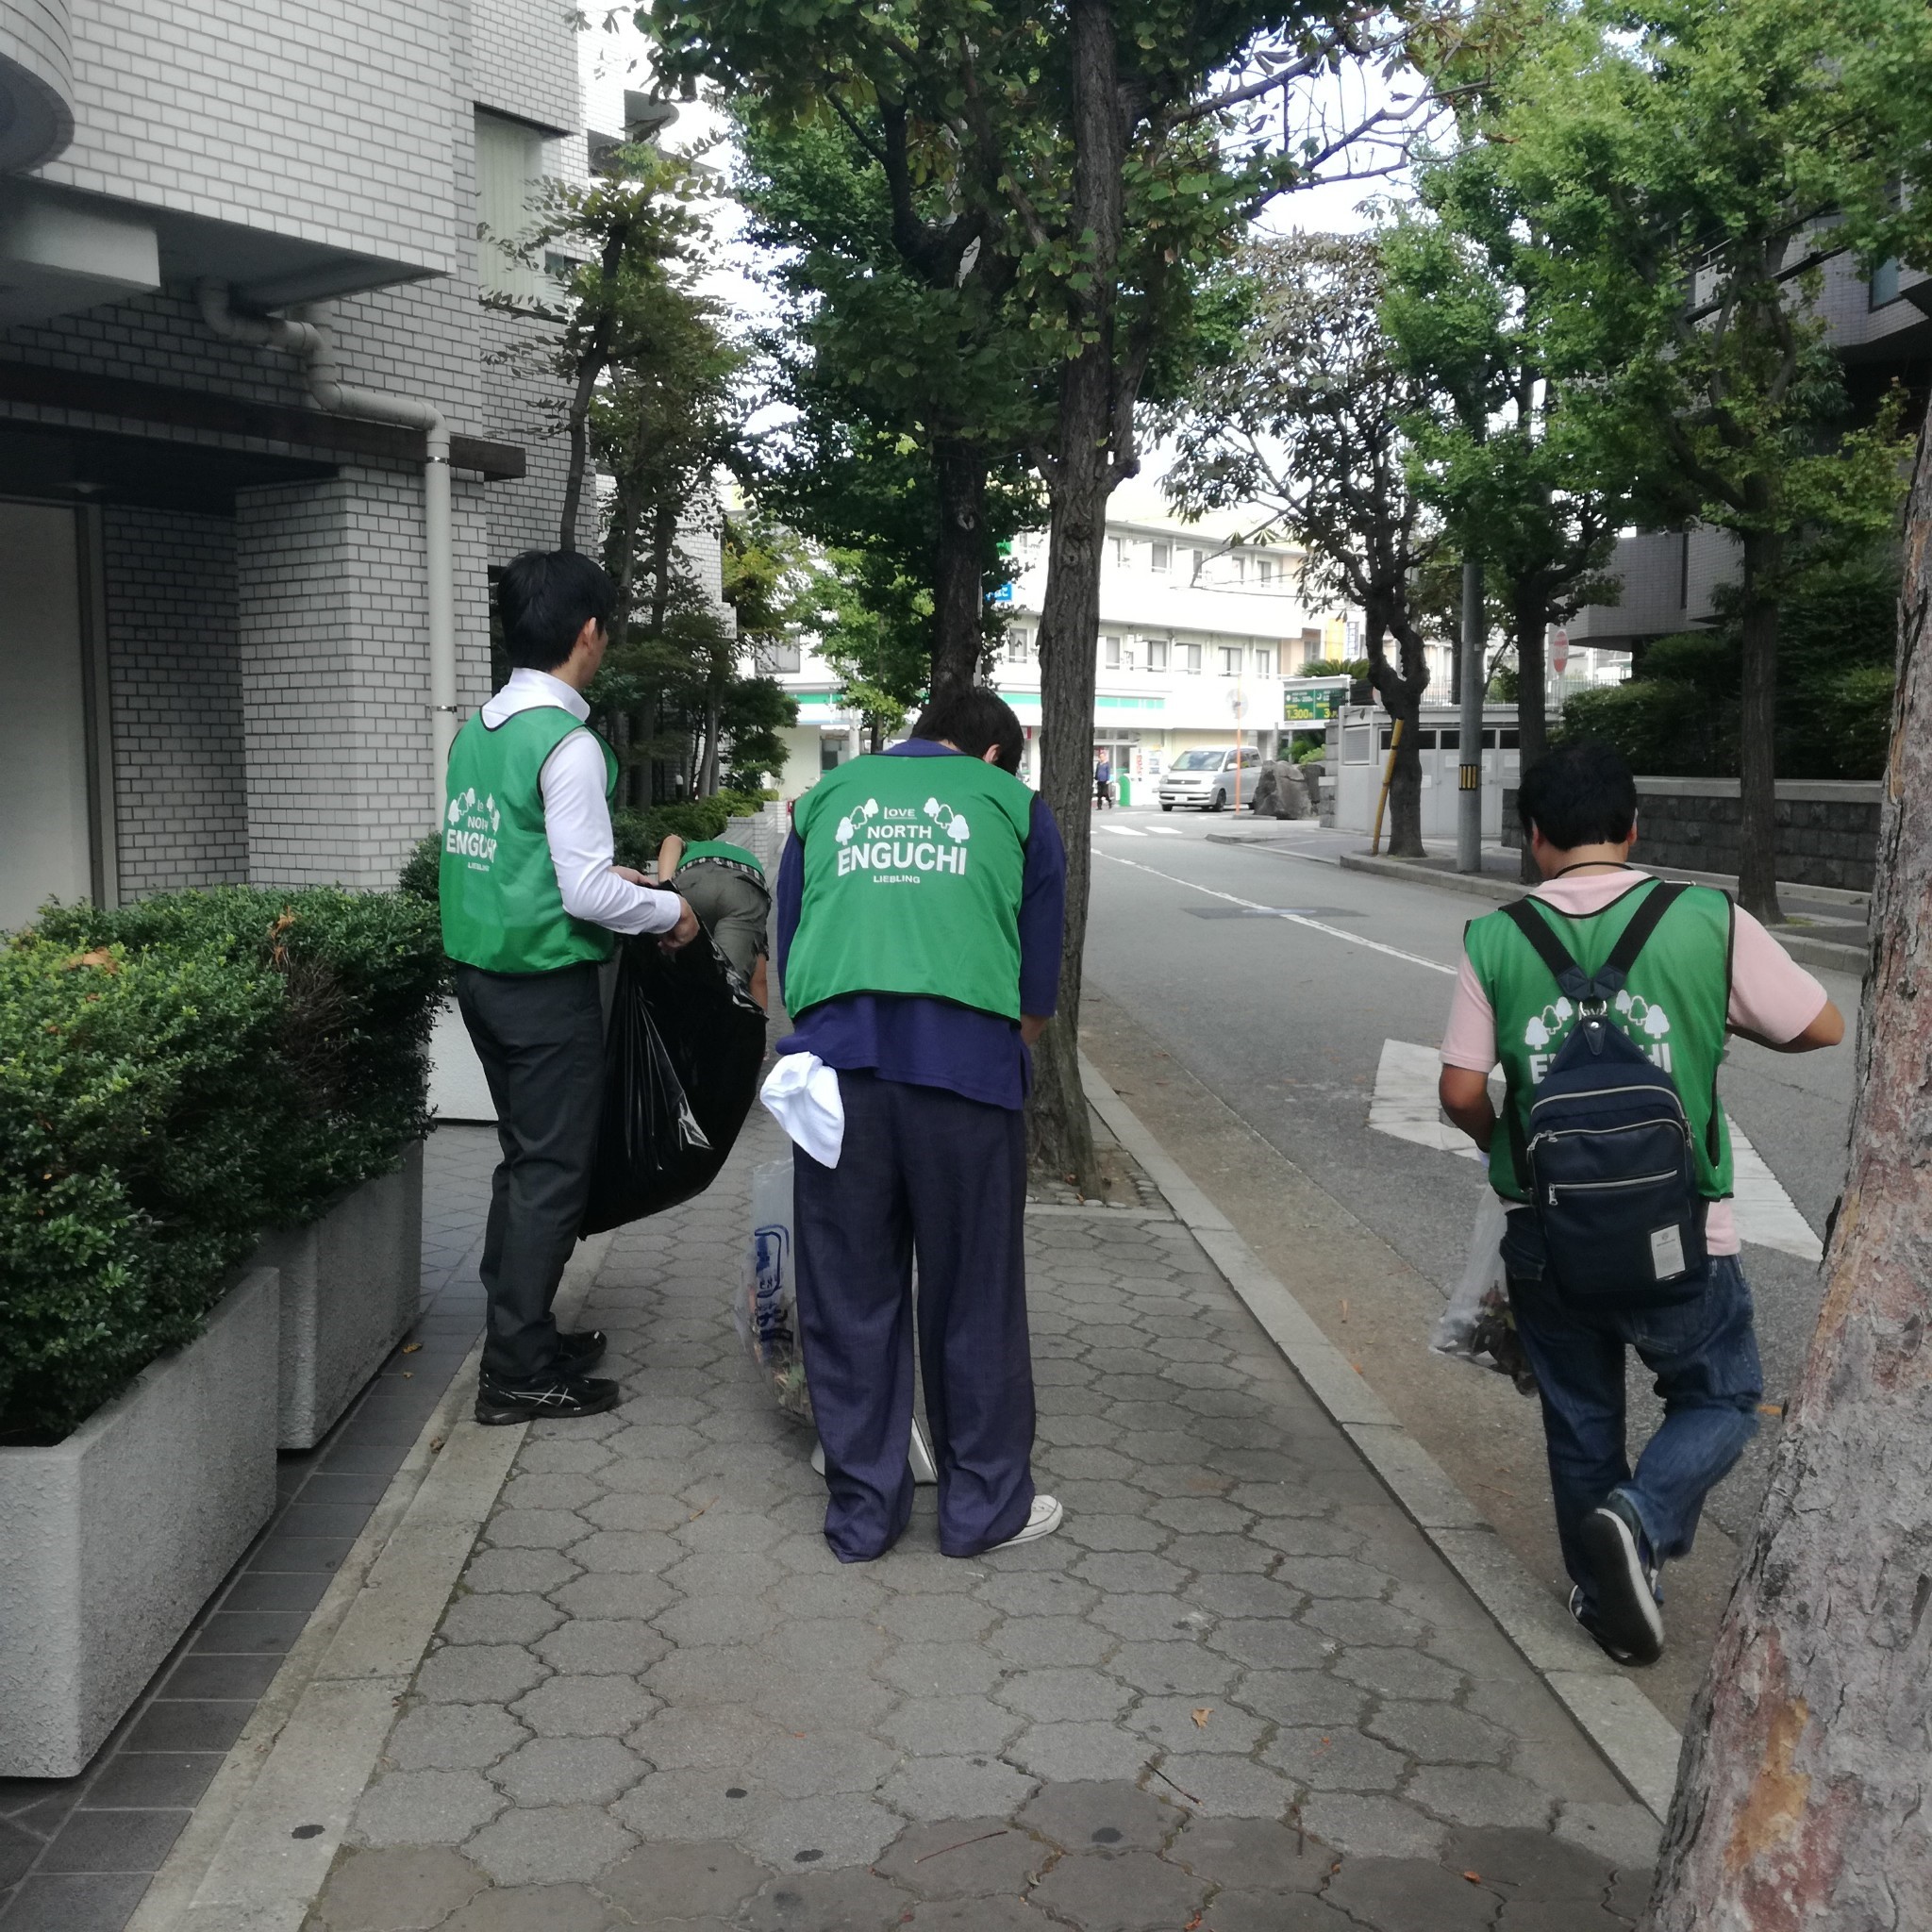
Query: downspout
x,y
329,393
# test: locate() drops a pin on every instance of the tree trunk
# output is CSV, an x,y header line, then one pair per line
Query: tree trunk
x,y
1801,1801
1060,1133
1530,614
1757,731
1401,692
959,602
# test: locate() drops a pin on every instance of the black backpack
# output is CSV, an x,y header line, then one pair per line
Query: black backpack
x,y
1609,1162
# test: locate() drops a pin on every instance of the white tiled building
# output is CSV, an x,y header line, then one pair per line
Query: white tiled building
x,y
215,658
1196,634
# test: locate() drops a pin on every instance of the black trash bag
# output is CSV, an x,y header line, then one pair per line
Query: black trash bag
x,y
682,1054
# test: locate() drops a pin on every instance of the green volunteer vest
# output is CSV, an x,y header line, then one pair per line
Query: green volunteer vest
x,y
914,874
501,908
723,852
1674,1007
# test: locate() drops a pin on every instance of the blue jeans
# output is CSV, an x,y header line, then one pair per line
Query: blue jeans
x,y
1704,1354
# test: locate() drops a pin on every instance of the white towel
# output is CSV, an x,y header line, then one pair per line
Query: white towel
x,y
802,1093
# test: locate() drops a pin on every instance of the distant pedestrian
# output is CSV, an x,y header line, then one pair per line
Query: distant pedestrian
x,y
532,906
1706,966
1103,782
920,908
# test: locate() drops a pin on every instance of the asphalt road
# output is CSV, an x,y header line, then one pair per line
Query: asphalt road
x,y
1284,1022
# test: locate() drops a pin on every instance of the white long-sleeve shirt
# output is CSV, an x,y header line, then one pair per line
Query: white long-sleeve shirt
x,y
576,816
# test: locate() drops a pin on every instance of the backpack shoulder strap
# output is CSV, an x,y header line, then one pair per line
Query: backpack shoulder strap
x,y
1549,948
1636,936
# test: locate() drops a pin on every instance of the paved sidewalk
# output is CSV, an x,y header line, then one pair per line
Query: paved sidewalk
x,y
1238,1690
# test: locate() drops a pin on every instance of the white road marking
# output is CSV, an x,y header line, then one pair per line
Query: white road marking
x,y
1167,831
1405,1108
1123,831
1333,932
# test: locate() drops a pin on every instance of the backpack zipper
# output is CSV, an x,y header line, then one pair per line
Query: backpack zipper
x,y
1641,1180
1650,1125
1608,1094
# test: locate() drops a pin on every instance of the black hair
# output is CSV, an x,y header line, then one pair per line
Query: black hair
x,y
1578,794
975,720
546,597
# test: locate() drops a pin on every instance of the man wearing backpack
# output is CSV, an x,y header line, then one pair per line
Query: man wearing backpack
x,y
1618,1180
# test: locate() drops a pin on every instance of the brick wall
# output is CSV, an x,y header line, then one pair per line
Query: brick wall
x,y
175,696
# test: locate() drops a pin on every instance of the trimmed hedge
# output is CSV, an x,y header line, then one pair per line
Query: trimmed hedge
x,y
176,1078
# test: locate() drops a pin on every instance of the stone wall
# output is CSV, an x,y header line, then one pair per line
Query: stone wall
x,y
1827,831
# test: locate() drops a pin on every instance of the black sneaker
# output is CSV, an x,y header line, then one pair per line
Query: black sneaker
x,y
552,1397
1621,1562
580,1351
1587,1617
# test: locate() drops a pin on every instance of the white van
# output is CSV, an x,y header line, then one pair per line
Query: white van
x,y
1207,777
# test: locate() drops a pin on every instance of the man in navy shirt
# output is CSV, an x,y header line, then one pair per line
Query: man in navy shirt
x,y
930,1044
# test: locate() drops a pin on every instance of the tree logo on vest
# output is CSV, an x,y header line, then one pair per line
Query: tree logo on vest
x,y
899,846
1643,1021
471,827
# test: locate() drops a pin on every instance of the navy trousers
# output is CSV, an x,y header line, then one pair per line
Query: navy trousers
x,y
924,1171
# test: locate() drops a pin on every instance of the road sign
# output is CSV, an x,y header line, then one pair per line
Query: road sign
x,y
1559,652
1311,706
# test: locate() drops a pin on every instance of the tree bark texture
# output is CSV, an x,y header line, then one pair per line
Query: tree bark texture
x,y
1078,481
1757,731
1401,692
1530,614
958,598
1802,1800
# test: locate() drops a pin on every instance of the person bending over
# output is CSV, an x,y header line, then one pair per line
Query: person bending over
x,y
920,910
726,887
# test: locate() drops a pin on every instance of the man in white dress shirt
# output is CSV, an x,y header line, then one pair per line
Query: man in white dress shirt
x,y
532,907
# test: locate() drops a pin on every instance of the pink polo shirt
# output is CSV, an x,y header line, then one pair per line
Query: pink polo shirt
x,y
1770,993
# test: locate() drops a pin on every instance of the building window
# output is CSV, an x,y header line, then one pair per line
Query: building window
x,y
1884,283
1200,557
1190,659
1017,643
1230,660
1156,653
783,657
1240,569
1110,653
1264,569
509,165
1312,643
1122,552
1264,662
1158,556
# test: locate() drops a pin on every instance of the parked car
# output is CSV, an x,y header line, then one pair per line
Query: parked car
x,y
1206,778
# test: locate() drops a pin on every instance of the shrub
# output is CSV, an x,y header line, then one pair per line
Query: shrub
x,y
1854,721
132,1116
360,974
422,872
178,1077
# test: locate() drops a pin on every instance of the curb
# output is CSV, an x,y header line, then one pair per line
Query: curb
x,y
1641,1744
258,1849
1827,954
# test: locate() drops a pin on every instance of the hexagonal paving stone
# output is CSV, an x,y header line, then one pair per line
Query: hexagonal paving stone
x,y
978,1915
452,1736
1229,1787
970,1857
535,1529
407,1889
499,1617
477,1674
554,1845
1531,1865
425,1807
1125,1573
706,1879
1397,1673
585,1707
941,1670
1063,1753
1253,1854
1174,1668
845,1700
1479,1794
567,1770
538,1571
955,1786
697,1736
1120,1891
1301,1697
1439,1733
822,1833
1411,1892
671,1806
1268,1644
603,1647
535,1908
824,1761
1048,1593
718,1620
1268,1912
1366,1826
1118,1816
817,1901
1064,1695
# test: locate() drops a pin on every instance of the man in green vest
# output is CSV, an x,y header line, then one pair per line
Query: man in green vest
x,y
920,910
532,906
726,887
1709,969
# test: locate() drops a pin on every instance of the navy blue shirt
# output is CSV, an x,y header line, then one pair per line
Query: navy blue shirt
x,y
929,1043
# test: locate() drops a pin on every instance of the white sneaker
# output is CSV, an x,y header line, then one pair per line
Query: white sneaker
x,y
1044,1518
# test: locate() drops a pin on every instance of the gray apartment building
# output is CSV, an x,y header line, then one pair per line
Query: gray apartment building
x,y
258,440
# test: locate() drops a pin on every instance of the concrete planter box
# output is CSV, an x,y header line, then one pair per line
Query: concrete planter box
x,y
351,1286
113,1540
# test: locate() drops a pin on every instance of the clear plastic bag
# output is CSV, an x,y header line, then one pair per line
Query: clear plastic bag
x,y
765,1305
1477,1326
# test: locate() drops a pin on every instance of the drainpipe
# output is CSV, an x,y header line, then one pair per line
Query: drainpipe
x,y
330,393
